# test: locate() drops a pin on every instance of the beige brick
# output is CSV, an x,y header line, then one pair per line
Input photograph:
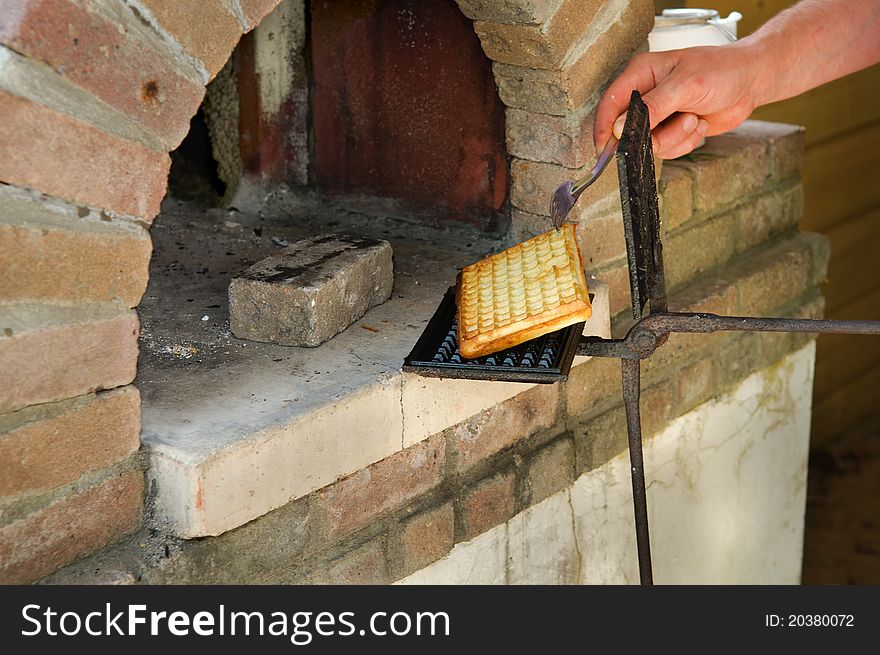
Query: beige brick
x,y
208,29
601,239
488,504
551,469
427,537
769,215
564,140
311,290
619,29
76,525
525,225
725,170
533,184
538,46
700,249
256,10
358,500
616,276
676,197
783,273
505,424
366,565
62,157
786,144
107,59
45,254
49,353
511,12
47,446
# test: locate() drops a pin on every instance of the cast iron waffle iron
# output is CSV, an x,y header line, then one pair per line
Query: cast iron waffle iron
x,y
544,360
641,226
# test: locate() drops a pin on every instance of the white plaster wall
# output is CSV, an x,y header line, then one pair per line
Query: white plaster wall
x,y
726,498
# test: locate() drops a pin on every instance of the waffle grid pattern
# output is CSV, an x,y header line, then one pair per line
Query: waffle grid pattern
x,y
539,282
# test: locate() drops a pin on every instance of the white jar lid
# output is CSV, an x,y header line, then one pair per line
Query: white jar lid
x,y
671,17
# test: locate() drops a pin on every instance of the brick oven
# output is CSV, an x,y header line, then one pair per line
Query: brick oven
x,y
141,441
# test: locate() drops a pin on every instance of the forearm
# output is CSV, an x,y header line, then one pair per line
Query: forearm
x,y
812,43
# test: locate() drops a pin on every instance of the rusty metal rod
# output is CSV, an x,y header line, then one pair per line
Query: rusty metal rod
x,y
631,374
704,322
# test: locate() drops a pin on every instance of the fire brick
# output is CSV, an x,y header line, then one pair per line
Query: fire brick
x,y
311,291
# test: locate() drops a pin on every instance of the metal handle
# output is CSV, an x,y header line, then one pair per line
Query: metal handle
x,y
607,153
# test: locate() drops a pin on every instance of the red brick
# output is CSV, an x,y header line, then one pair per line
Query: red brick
x,y
655,407
48,353
592,386
538,46
47,446
256,10
70,527
108,60
504,424
490,503
366,565
47,255
206,29
551,469
695,384
62,157
358,500
427,537
618,30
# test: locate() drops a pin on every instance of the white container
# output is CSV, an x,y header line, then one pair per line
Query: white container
x,y
685,28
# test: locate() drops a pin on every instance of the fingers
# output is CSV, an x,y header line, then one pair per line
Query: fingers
x,y
642,74
678,139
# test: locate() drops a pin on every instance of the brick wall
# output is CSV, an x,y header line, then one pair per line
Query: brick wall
x,y
408,510
89,115
93,95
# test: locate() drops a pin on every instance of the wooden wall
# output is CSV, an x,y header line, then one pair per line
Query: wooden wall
x,y
842,201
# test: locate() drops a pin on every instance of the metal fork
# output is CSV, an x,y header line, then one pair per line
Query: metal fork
x,y
567,193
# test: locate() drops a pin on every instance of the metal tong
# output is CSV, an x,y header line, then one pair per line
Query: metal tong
x,y
567,193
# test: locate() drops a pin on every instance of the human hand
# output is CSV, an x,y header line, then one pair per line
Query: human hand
x,y
690,93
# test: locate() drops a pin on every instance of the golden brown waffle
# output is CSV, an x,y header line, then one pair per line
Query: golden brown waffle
x,y
531,289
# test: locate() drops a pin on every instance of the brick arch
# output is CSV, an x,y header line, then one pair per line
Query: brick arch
x,y
93,96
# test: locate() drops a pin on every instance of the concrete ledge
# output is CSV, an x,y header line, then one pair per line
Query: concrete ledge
x,y
236,429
